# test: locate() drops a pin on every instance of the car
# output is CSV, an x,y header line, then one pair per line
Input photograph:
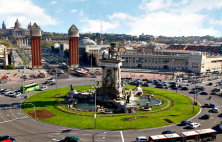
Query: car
x,y
175,88
52,78
11,94
141,83
193,91
215,110
210,83
184,88
193,125
94,76
43,88
3,139
169,132
216,89
204,93
214,93
206,116
206,105
17,94
53,83
220,125
146,84
71,139
159,86
150,81
141,139
212,105
48,81
185,122
165,84
180,86
10,138
6,92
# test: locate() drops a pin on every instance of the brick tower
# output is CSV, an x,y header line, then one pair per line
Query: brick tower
x,y
73,34
36,46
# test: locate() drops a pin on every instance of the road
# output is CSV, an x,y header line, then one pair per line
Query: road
x,y
16,124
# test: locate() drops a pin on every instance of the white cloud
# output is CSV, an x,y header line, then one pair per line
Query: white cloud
x,y
75,0
74,11
58,10
25,11
169,18
53,2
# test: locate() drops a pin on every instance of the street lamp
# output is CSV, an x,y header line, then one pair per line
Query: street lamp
x,y
96,87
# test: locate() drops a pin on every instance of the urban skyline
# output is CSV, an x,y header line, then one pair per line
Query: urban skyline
x,y
152,17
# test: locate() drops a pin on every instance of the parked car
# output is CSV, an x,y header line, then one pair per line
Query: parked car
x,y
11,94
165,84
141,139
204,93
206,116
215,110
71,139
185,122
210,83
193,125
43,88
94,76
169,132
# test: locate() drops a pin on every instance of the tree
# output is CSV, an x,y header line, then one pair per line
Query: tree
x,y
46,44
9,67
6,43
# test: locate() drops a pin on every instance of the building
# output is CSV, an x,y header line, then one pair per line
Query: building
x,y
212,49
17,30
3,57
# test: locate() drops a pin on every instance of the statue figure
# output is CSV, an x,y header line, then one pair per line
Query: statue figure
x,y
103,55
72,87
138,84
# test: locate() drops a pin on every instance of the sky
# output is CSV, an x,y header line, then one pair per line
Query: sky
x,y
134,17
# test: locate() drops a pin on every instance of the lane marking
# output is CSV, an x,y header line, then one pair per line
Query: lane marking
x,y
212,118
122,136
14,119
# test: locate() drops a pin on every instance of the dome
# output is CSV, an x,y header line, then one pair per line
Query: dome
x,y
17,24
87,40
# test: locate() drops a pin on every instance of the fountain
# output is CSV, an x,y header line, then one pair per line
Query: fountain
x,y
112,89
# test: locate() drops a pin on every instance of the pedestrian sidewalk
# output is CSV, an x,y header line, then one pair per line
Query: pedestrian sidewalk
x,y
14,76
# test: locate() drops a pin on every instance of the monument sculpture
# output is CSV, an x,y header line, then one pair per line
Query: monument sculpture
x,y
111,65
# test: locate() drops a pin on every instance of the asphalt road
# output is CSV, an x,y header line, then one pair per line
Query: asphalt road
x,y
15,123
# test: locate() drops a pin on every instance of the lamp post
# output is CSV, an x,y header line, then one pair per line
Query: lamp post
x,y
96,87
56,78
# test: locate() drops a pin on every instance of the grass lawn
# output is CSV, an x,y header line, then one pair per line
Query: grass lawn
x,y
181,110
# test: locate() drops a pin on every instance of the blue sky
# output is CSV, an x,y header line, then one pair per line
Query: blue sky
x,y
152,17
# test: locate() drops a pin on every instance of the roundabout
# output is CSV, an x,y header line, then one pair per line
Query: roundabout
x,y
176,108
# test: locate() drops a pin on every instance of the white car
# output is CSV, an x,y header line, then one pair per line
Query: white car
x,y
141,139
193,125
17,94
43,88
11,94
215,110
6,92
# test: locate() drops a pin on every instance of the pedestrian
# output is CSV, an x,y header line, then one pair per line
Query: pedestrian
x,y
209,97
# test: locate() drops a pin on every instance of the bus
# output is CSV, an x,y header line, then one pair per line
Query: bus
x,y
30,87
190,136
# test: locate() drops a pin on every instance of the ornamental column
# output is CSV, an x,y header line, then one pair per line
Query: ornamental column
x,y
73,34
36,47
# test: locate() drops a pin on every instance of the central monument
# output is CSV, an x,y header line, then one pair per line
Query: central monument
x,y
111,65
